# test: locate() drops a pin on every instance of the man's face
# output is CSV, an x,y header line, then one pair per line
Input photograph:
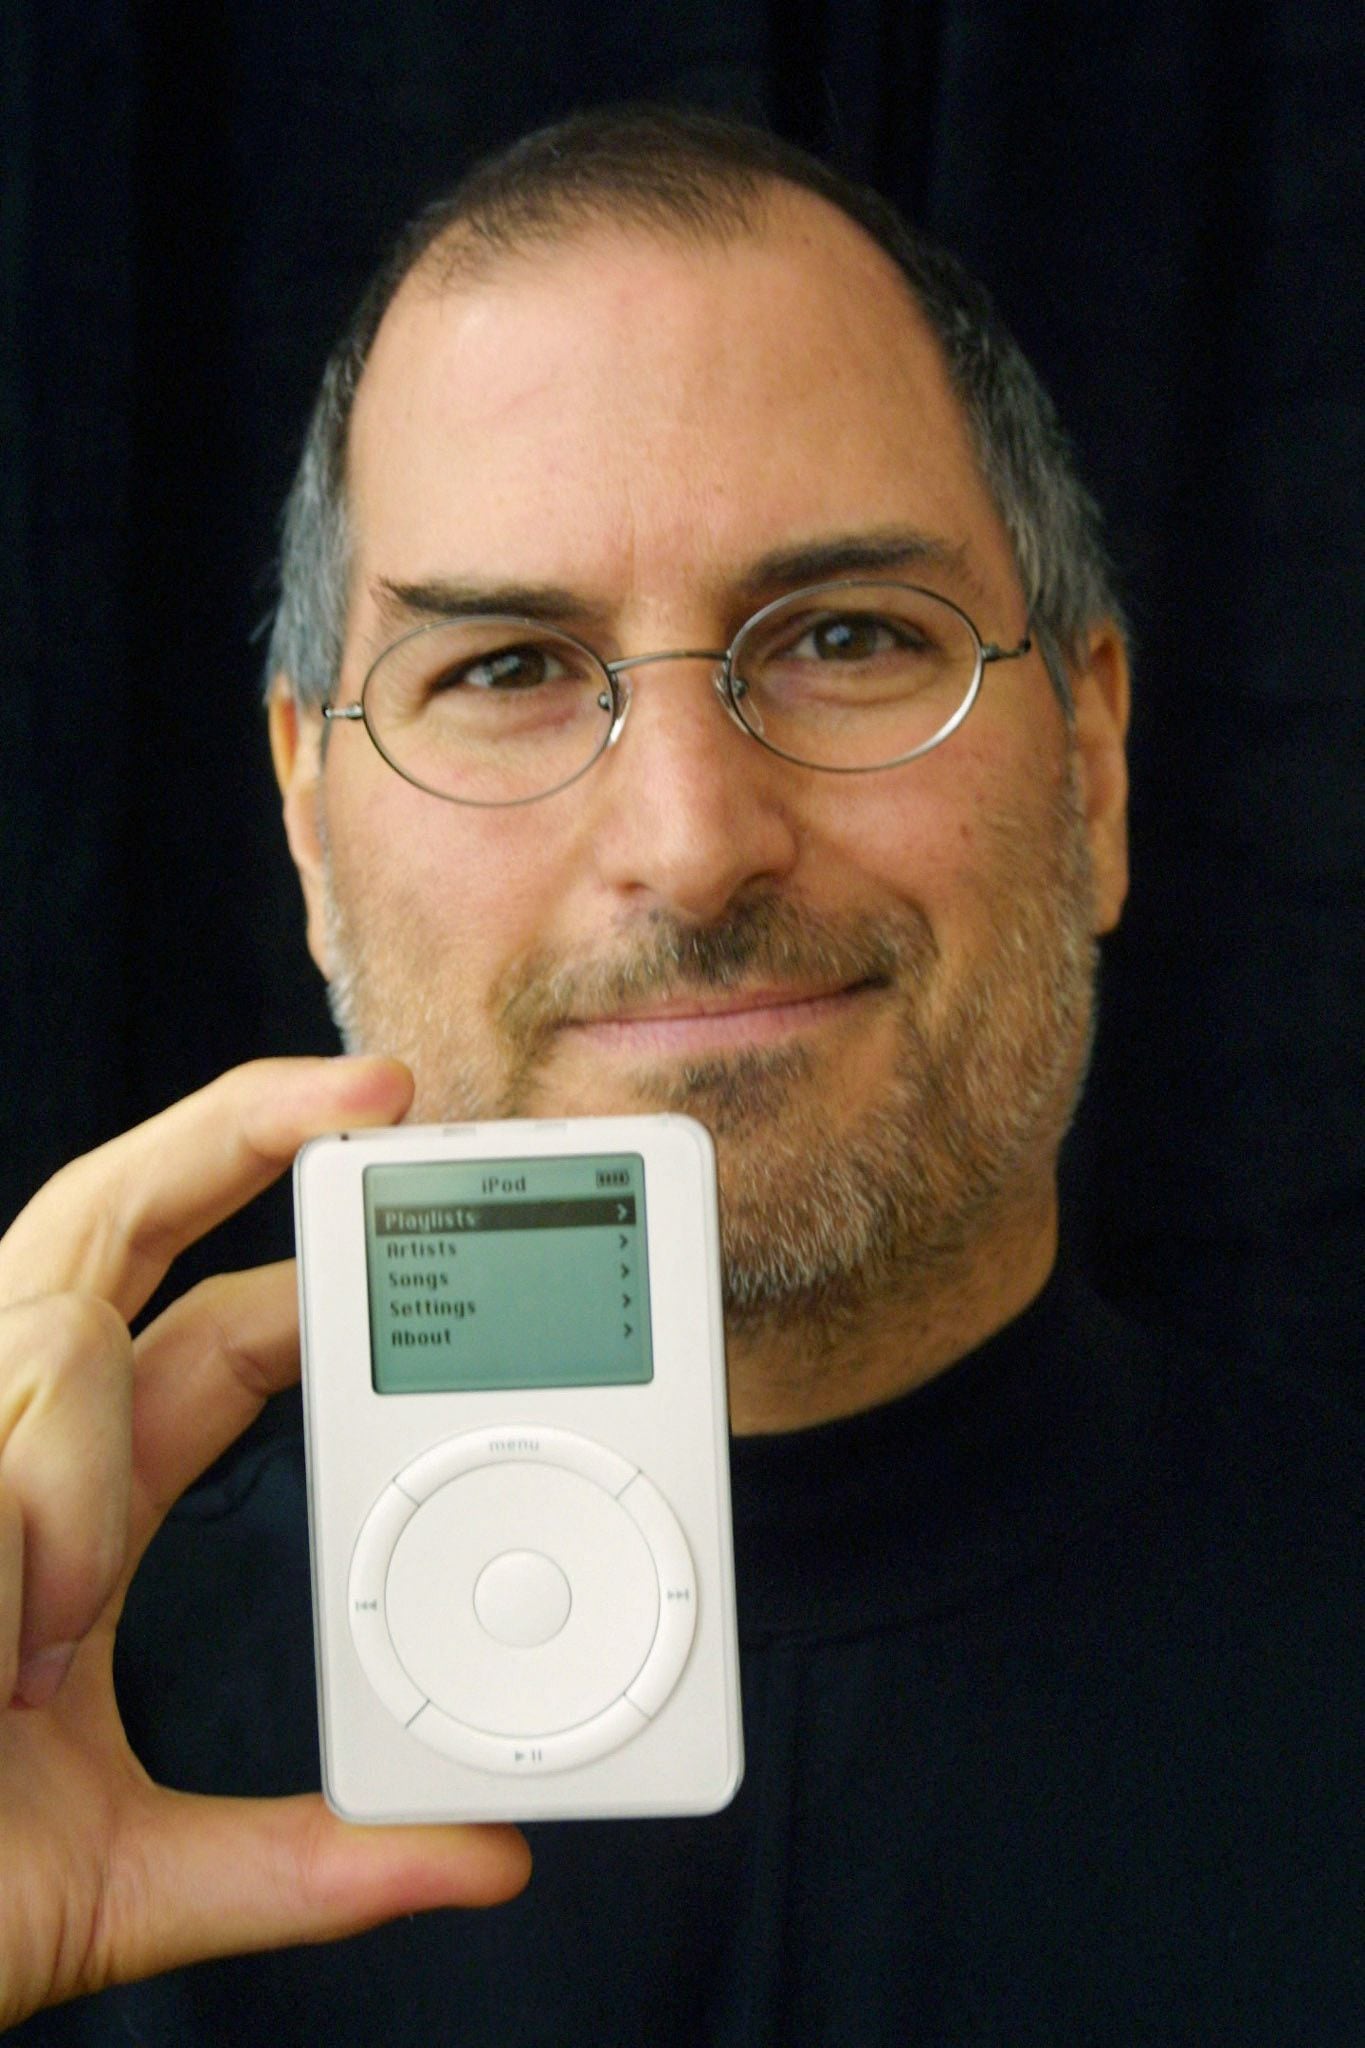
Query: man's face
x,y
874,989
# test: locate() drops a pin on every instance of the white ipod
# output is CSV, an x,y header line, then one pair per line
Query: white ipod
x,y
518,1470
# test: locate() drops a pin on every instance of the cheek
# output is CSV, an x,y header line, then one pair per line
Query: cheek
x,y
911,831
462,890
952,832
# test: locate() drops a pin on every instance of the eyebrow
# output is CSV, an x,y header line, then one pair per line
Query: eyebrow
x,y
443,597
878,553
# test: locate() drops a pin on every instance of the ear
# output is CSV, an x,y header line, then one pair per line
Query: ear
x,y
296,749
1100,688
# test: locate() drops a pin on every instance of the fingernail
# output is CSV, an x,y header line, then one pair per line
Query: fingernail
x,y
40,1675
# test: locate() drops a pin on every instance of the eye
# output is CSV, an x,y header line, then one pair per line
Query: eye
x,y
851,636
508,669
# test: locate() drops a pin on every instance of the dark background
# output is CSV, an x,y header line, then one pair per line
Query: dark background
x,y
1165,203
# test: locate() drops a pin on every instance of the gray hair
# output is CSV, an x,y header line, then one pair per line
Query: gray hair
x,y
695,177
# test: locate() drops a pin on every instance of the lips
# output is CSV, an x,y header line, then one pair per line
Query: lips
x,y
714,1019
770,973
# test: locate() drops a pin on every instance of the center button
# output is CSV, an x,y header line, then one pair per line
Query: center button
x,y
522,1599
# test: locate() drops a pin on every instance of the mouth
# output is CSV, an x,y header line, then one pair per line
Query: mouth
x,y
718,1021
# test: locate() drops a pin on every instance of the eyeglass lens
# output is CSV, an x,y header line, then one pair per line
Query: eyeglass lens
x,y
845,677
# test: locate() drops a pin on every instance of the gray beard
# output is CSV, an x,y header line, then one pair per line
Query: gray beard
x,y
815,1223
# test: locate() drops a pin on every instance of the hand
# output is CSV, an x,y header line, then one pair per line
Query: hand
x,y
105,1876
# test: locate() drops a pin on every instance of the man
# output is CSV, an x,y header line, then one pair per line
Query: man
x,y
697,685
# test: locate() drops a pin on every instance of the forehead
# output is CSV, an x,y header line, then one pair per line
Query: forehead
x,y
623,412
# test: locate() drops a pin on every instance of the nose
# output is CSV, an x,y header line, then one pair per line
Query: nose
x,y
690,811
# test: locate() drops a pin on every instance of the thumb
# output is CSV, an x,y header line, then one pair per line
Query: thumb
x,y
212,1877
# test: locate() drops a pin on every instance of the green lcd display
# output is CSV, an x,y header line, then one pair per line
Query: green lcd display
x,y
507,1273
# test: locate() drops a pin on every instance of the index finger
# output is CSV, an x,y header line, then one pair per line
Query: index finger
x,y
111,1223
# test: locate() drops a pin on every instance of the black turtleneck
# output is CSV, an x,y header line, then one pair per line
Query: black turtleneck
x,y
1053,1705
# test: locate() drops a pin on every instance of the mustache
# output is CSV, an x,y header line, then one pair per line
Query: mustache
x,y
764,938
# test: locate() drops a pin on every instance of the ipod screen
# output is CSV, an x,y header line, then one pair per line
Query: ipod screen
x,y
507,1273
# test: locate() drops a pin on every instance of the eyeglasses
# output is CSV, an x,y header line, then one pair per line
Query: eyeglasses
x,y
845,678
